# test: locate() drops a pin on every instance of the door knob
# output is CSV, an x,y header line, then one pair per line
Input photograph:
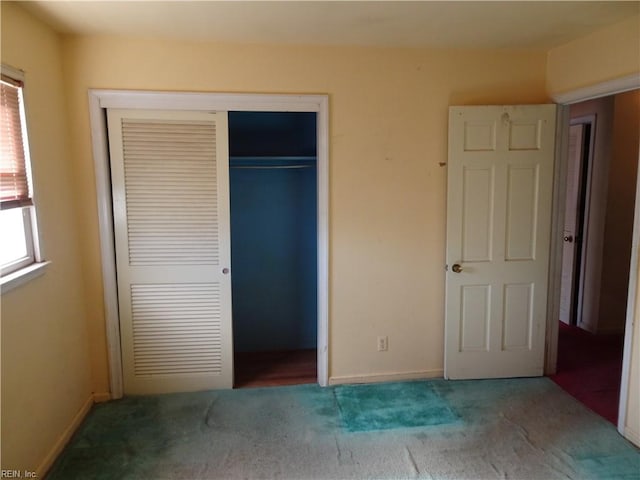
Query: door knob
x,y
456,267
568,238
225,270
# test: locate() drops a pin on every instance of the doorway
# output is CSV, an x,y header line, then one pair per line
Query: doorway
x,y
593,299
273,199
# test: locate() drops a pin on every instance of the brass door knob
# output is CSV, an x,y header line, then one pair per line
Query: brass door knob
x,y
456,267
568,238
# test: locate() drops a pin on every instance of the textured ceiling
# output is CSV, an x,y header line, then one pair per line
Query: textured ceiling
x,y
449,24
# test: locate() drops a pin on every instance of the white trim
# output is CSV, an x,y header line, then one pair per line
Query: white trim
x,y
62,441
323,240
557,226
22,276
611,87
101,397
633,436
102,99
196,101
632,305
387,377
107,246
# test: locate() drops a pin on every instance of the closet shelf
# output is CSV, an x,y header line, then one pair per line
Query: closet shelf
x,y
272,162
267,158
271,167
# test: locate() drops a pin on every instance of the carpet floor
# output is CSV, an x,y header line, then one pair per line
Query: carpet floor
x,y
516,428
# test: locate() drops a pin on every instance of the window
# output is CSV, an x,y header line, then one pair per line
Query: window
x,y
18,239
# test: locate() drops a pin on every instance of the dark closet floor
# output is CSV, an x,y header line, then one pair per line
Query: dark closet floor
x,y
266,369
589,369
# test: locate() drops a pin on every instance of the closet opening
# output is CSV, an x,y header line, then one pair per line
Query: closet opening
x,y
273,204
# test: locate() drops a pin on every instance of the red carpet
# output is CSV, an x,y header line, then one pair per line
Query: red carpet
x,y
589,369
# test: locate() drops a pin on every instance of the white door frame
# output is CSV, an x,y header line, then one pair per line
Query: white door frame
x,y
612,87
99,100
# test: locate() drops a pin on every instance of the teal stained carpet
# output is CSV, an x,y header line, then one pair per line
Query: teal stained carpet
x,y
365,408
490,429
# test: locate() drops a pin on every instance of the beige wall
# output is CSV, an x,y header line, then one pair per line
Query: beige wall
x,y
607,54
618,226
388,118
45,367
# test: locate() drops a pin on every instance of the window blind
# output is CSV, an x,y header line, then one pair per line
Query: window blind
x,y
14,178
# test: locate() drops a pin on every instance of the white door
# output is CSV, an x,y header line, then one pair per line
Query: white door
x,y
171,220
499,189
570,232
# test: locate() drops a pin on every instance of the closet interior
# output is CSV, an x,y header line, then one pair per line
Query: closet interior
x,y
273,200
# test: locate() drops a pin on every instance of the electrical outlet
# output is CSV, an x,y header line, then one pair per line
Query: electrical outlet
x,y
383,344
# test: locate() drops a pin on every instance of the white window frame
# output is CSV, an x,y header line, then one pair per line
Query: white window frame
x,y
31,265
30,257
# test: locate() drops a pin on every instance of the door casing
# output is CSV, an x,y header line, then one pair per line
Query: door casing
x,y
100,100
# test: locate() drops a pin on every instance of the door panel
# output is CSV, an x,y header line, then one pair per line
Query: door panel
x,y
517,316
477,214
522,190
474,318
171,217
500,176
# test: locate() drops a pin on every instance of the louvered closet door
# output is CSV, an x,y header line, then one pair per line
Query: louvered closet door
x,y
170,185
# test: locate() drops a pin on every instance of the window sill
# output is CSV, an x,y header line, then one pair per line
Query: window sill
x,y
22,276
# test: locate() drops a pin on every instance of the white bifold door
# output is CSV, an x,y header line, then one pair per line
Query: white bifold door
x,y
170,183
499,194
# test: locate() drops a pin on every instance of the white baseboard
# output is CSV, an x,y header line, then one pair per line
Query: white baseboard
x,y
51,457
386,377
632,435
101,397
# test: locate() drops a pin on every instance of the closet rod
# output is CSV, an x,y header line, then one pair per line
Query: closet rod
x,y
270,167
